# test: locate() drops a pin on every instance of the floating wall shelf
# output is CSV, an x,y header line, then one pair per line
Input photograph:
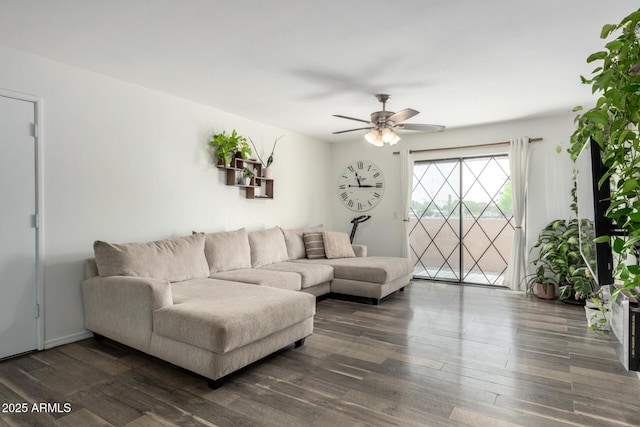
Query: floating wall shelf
x,y
257,182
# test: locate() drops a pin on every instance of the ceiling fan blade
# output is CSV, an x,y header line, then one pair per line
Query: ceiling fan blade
x,y
422,127
351,118
351,130
403,115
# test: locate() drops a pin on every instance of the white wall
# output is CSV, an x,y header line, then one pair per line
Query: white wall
x,y
124,163
549,181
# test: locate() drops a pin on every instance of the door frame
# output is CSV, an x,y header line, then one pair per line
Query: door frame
x,y
460,159
39,181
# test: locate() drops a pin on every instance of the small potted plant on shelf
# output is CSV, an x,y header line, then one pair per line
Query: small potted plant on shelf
x,y
228,146
266,172
247,174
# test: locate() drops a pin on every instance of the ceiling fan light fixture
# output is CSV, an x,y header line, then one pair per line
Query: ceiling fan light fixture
x,y
387,135
395,139
374,138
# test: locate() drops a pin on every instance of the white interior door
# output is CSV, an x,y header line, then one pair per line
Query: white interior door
x,y
18,265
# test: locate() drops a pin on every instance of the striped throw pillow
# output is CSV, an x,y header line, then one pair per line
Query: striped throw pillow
x,y
314,245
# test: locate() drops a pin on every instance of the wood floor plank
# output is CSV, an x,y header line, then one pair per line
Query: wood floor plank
x,y
472,418
65,374
553,414
96,359
105,406
624,378
150,420
30,419
82,417
29,389
508,378
607,411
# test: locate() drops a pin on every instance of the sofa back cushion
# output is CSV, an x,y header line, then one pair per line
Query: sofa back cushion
x,y
295,242
337,245
227,250
173,260
267,247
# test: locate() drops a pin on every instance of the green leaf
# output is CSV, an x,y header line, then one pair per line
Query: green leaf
x,y
606,30
634,269
614,45
547,247
618,245
596,56
635,87
599,117
630,185
602,239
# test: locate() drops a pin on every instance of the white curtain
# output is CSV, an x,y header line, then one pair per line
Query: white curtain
x,y
406,181
519,164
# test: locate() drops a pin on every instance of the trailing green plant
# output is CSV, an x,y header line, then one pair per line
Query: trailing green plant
x,y
559,261
598,321
613,124
228,145
273,149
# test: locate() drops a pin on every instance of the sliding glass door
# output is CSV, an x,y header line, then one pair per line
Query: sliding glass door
x,y
461,219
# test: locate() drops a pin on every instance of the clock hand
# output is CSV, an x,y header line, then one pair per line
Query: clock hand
x,y
358,179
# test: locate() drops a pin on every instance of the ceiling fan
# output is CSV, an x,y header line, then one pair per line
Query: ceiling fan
x,y
383,123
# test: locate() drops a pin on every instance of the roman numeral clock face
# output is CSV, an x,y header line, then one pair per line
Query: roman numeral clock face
x,y
361,186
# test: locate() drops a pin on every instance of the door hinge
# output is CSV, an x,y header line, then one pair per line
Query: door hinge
x,y
35,219
34,130
37,310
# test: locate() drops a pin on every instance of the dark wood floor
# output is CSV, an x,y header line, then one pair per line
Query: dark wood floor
x,y
433,355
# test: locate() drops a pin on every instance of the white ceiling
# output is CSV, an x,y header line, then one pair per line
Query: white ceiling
x,y
294,63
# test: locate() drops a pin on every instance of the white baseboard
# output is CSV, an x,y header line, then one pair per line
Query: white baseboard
x,y
67,339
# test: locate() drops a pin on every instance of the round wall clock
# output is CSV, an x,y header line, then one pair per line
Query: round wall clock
x,y
361,186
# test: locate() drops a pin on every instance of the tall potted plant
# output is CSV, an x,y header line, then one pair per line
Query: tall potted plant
x,y
614,125
559,262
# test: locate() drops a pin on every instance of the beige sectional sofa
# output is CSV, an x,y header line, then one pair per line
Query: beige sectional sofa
x,y
214,303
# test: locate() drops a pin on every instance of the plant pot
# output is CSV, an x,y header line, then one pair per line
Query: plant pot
x,y
573,301
596,319
547,291
266,172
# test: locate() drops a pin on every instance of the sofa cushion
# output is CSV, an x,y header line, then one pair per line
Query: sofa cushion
x,y
295,242
314,245
311,274
267,246
258,276
221,316
337,245
375,269
227,250
173,260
